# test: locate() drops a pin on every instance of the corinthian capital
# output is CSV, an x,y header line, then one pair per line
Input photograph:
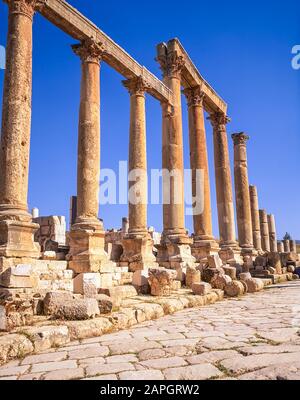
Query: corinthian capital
x,y
219,120
136,86
26,7
239,138
171,64
195,96
89,51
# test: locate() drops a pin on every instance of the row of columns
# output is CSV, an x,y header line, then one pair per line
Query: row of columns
x,y
87,234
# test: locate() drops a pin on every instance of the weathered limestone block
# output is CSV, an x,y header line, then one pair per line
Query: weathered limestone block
x,y
221,281
160,281
245,276
254,285
274,260
18,311
53,300
209,274
201,289
140,281
79,330
272,270
19,276
291,268
230,271
176,285
14,346
105,303
106,280
87,283
192,276
138,253
3,322
119,293
45,337
78,309
234,289
214,261
261,261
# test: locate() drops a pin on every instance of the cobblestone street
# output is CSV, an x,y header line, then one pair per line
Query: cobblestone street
x,y
254,337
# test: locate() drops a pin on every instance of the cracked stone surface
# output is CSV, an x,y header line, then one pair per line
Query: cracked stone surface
x,y
253,337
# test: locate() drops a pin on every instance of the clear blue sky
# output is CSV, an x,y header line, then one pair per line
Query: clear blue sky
x,y
242,48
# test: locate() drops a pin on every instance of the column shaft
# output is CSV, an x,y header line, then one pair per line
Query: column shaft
x,y
16,112
199,166
88,166
255,218
137,158
264,228
223,181
272,233
172,152
243,207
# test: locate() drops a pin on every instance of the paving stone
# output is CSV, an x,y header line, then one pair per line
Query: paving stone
x,y
121,359
149,374
13,370
193,372
111,377
88,352
30,377
91,361
240,364
93,370
133,346
43,358
161,363
151,354
53,366
211,356
64,374
9,378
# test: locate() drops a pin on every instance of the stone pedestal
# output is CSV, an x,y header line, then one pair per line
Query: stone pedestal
x,y
16,227
255,218
204,242
138,253
243,207
223,182
264,228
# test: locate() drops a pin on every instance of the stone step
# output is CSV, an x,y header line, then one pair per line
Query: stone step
x,y
119,293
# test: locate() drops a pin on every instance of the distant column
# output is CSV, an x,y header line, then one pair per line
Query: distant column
x,y
293,246
255,218
243,207
287,246
272,233
280,247
264,228
199,166
223,181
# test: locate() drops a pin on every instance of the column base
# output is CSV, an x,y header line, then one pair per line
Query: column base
x,y
87,252
138,253
201,249
17,239
176,255
178,236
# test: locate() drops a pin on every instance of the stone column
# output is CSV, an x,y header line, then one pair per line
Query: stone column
x,y
137,245
16,227
255,218
173,212
272,233
264,228
287,246
243,207
203,235
87,234
137,158
223,182
280,247
293,246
